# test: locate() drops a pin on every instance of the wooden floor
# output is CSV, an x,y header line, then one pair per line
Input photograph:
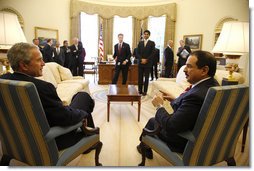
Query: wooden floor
x,y
120,136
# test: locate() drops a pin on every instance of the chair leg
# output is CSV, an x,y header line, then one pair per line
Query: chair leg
x,y
245,129
143,151
97,153
231,161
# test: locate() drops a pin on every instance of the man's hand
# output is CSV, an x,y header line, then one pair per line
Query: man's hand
x,y
124,63
116,58
157,101
167,96
144,61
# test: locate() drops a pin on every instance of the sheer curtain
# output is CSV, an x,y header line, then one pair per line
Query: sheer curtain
x,y
89,34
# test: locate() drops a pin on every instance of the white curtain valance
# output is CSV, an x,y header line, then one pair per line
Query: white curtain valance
x,y
139,12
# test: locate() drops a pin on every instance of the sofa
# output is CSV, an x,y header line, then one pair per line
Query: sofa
x,y
66,84
176,86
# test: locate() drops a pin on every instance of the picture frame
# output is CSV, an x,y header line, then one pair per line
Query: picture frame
x,y
193,41
43,34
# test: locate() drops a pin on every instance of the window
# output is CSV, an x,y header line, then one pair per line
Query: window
x,y
122,25
89,35
157,25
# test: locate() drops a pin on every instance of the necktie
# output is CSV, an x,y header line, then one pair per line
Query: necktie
x,y
186,90
119,48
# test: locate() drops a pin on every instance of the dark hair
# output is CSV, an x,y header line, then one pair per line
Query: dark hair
x,y
65,41
206,59
49,40
35,39
120,34
147,31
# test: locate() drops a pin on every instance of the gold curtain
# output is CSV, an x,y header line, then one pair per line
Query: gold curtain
x,y
140,15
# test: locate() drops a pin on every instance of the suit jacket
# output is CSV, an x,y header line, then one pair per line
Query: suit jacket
x,y
123,55
47,53
146,52
59,58
56,113
67,54
156,57
169,57
74,54
186,109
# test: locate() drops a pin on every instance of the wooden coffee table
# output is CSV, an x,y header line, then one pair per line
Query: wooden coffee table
x,y
123,93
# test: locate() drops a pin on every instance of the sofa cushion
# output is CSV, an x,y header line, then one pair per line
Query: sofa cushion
x,y
48,76
65,73
55,71
83,82
67,90
167,87
181,78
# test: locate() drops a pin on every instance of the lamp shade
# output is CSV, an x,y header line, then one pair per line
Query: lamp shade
x,y
233,39
10,30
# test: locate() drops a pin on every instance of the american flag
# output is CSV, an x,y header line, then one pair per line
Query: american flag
x,y
101,45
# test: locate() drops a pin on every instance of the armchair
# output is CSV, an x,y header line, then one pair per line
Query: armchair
x,y
215,134
25,134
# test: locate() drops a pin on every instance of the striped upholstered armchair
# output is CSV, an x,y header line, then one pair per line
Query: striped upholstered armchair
x,y
24,131
216,132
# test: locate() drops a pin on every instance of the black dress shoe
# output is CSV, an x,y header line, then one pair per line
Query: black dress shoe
x,y
149,152
151,80
140,93
144,94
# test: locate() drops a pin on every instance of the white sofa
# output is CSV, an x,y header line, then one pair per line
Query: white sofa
x,y
176,86
66,84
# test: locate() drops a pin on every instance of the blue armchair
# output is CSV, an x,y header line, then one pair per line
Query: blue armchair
x,y
215,134
25,134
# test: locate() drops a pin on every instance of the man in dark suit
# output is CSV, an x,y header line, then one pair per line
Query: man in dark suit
x,y
122,54
26,62
48,51
145,54
81,59
59,56
67,53
200,70
168,59
36,42
183,54
156,60
75,52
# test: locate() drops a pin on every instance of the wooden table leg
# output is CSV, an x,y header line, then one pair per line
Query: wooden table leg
x,y
139,104
132,103
108,110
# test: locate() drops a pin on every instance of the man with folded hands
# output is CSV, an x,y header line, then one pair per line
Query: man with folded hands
x,y
27,63
200,70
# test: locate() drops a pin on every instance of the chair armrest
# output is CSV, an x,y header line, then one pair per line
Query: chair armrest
x,y
57,131
187,135
155,131
91,131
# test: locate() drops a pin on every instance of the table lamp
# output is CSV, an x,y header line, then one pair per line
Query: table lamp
x,y
233,42
10,33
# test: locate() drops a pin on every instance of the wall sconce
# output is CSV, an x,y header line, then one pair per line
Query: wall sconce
x,y
10,33
233,42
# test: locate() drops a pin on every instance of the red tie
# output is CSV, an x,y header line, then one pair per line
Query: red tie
x,y
186,90
120,48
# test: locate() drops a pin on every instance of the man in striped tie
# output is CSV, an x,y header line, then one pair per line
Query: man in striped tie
x,y
200,70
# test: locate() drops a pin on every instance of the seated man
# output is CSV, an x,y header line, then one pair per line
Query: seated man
x,y
200,70
27,63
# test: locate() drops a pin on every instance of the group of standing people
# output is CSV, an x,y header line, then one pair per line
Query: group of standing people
x,y
71,57
148,58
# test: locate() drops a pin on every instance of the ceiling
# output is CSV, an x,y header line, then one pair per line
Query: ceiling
x,y
130,2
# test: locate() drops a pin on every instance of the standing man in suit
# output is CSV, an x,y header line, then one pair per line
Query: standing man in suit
x,y
156,60
27,63
48,51
145,54
168,59
122,54
59,56
183,53
200,70
81,59
36,42
67,53
75,52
